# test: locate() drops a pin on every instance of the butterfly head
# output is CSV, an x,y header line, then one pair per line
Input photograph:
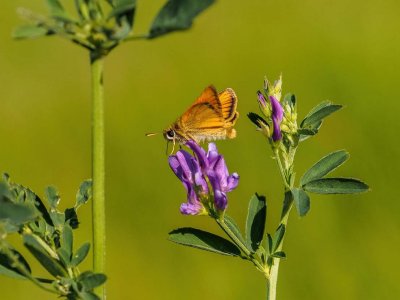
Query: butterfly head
x,y
169,134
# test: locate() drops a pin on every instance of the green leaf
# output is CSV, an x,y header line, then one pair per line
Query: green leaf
x,y
269,242
289,99
57,10
324,166
67,241
57,218
177,15
203,240
28,197
84,193
278,237
301,201
90,280
51,264
64,257
305,133
287,203
29,32
318,113
123,8
80,255
7,266
255,223
336,186
88,296
279,254
234,228
308,131
17,214
52,196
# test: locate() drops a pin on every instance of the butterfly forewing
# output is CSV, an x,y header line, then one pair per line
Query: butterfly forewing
x,y
210,117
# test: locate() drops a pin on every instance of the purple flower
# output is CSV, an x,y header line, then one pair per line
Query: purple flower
x,y
261,100
187,169
277,116
193,171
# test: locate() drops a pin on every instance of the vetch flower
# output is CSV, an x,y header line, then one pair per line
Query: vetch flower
x,y
198,170
187,169
221,181
277,116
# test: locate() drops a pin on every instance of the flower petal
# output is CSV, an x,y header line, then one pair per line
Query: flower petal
x,y
188,164
199,153
277,110
261,100
191,209
277,134
233,181
221,171
212,154
277,116
220,200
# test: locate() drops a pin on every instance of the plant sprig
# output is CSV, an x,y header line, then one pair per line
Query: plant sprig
x,y
48,234
279,125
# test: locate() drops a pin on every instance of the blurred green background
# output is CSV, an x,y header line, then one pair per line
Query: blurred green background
x,y
348,52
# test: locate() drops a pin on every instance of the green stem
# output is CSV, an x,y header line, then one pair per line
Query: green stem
x,y
287,206
242,247
281,168
273,272
98,203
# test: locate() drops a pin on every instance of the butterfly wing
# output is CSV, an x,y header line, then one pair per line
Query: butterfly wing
x,y
211,116
228,101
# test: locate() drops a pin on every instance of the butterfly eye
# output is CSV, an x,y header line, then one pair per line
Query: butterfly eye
x,y
170,134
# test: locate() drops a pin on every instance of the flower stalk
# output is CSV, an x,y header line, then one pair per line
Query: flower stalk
x,y
98,168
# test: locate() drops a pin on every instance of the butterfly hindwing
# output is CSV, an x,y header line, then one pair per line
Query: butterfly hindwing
x,y
228,102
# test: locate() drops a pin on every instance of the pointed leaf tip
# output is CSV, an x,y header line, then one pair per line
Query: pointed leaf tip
x,y
177,15
325,165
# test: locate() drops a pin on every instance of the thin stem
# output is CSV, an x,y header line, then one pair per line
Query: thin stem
x,y
242,247
132,37
281,168
98,203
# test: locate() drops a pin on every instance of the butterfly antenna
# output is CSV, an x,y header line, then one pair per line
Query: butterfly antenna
x,y
151,133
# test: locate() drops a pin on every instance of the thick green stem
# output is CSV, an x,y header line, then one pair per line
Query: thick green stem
x,y
287,206
98,203
273,272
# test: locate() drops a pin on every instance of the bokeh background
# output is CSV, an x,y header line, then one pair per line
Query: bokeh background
x,y
347,247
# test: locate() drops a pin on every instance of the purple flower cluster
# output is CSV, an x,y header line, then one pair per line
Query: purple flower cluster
x,y
197,171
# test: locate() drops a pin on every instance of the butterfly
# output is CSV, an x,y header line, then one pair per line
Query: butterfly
x,y
211,117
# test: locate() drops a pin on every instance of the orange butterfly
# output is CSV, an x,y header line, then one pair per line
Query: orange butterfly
x,y
211,117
